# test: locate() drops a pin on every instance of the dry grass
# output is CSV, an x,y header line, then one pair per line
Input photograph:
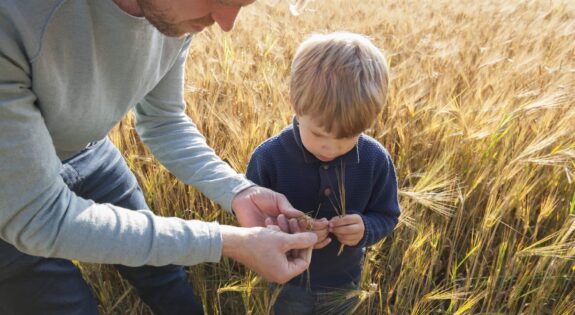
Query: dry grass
x,y
480,124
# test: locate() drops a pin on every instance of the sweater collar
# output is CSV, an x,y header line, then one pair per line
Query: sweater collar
x,y
351,157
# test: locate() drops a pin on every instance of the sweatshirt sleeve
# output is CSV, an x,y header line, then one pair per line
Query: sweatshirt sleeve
x,y
383,210
175,141
41,216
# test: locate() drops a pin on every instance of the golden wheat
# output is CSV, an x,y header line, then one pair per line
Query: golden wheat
x,y
480,123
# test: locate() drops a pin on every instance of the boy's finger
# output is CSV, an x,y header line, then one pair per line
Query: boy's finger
x,y
335,224
345,220
320,224
347,229
336,221
269,221
351,218
349,240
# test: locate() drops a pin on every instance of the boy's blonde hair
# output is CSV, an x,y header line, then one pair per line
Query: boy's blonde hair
x,y
341,80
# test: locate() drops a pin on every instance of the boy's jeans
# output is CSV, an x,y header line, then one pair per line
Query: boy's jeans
x,y
296,300
34,285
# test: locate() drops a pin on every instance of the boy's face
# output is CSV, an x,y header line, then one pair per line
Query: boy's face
x,y
178,17
323,145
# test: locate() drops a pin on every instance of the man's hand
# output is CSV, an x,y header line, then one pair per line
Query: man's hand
x,y
348,229
319,227
265,250
253,205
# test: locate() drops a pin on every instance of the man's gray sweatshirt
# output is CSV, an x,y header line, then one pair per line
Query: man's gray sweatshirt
x,y
69,71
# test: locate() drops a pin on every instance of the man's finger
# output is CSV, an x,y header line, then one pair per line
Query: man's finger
x,y
303,224
299,244
305,255
323,243
296,266
286,208
300,240
294,226
321,234
274,227
283,223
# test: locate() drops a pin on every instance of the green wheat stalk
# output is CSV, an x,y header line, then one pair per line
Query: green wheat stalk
x,y
340,205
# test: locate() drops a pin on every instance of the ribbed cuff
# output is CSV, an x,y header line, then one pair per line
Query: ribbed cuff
x,y
229,197
216,242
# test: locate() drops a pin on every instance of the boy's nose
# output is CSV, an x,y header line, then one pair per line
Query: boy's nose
x,y
225,17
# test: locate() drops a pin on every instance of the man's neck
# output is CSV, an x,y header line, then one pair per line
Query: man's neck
x,y
130,6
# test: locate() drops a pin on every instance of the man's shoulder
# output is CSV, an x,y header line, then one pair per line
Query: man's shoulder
x,y
33,9
26,20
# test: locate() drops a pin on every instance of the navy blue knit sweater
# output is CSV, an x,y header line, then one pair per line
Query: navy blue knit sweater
x,y
283,164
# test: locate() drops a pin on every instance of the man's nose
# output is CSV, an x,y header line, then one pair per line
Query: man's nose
x,y
225,17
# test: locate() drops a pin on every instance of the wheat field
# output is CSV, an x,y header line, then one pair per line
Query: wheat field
x,y
480,123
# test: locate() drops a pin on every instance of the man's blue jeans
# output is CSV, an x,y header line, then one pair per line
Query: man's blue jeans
x,y
35,285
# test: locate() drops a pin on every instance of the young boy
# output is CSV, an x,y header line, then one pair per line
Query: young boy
x,y
338,88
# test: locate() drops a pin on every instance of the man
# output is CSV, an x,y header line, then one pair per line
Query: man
x,y
69,71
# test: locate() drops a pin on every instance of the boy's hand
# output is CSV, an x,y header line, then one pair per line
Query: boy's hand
x,y
348,229
319,227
